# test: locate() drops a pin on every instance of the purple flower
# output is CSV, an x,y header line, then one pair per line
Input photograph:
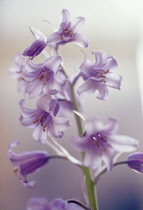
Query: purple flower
x,y
39,203
68,31
35,48
45,77
100,143
43,119
99,75
26,163
135,162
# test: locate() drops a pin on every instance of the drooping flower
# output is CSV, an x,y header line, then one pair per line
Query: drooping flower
x,y
43,119
99,75
100,143
26,163
68,31
35,48
45,77
135,162
39,203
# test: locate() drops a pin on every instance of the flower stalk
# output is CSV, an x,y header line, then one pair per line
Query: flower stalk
x,y
90,186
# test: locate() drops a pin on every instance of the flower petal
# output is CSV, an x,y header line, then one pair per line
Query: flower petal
x,y
65,17
122,143
54,38
103,92
76,23
113,80
92,158
53,63
101,58
39,134
111,126
87,88
80,40
34,88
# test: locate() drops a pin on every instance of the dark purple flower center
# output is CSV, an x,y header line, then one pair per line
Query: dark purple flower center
x,y
99,74
40,118
67,32
44,75
98,139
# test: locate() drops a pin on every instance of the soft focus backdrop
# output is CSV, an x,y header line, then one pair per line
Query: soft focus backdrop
x,y
114,26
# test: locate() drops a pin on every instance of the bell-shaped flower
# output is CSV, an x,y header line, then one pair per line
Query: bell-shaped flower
x,y
68,31
101,144
40,203
99,75
43,119
45,77
35,48
135,162
26,163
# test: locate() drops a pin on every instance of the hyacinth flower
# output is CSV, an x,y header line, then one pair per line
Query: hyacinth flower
x,y
16,73
135,162
43,119
40,203
46,77
99,75
68,31
35,48
26,163
101,143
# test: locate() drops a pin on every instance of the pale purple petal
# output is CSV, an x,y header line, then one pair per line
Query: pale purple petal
x,y
80,40
54,38
38,203
26,112
108,156
53,63
65,17
112,126
93,125
87,88
27,122
37,33
101,58
103,92
39,134
58,204
76,23
111,64
92,158
122,143
43,102
113,80
34,88
61,123
87,67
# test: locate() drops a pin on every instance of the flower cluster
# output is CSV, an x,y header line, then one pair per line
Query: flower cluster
x,y
58,98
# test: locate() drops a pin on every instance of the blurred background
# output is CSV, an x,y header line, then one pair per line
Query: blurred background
x,y
115,26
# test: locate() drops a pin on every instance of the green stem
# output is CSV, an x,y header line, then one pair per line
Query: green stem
x,y
88,180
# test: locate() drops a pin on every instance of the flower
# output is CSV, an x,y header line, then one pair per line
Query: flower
x,y
135,162
39,203
68,31
45,77
26,163
100,143
99,75
35,48
43,119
